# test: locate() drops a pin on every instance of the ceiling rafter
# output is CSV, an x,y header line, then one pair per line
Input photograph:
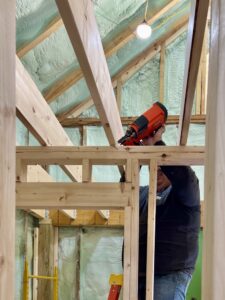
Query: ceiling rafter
x,y
76,122
134,65
111,47
38,117
81,27
196,31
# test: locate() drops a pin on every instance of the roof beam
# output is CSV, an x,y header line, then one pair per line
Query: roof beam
x,y
52,27
82,29
76,122
38,117
138,62
111,47
196,30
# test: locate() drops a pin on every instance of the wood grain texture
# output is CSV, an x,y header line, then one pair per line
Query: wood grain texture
x,y
196,30
82,29
151,230
165,155
72,195
134,234
38,117
45,259
214,237
7,149
76,122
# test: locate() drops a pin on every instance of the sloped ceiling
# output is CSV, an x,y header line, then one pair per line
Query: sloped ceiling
x,y
54,58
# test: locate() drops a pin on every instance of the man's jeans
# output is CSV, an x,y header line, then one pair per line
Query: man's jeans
x,y
167,287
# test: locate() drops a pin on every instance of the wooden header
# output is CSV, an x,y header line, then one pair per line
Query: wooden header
x,y
165,155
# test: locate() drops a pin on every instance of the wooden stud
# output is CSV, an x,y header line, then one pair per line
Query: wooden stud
x,y
127,253
134,230
196,30
45,258
151,230
78,19
56,246
7,149
52,27
35,263
214,237
86,170
119,94
162,73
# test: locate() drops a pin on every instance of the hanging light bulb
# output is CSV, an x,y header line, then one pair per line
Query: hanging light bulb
x,y
143,31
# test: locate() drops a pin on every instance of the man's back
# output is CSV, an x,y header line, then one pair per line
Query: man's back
x,y
177,223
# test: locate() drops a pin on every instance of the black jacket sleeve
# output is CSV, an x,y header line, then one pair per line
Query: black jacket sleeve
x,y
184,182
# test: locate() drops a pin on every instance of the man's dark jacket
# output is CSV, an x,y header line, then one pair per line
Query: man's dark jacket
x,y
177,223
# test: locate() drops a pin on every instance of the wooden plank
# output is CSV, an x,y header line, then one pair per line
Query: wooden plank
x,y
35,263
76,110
165,155
86,170
134,234
140,60
78,19
7,149
53,26
119,88
151,230
72,195
56,246
162,72
196,30
214,237
38,117
127,253
111,47
45,258
76,122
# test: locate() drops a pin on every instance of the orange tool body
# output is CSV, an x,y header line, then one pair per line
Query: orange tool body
x,y
146,125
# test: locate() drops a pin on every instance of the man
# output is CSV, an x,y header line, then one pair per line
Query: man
x,y
177,229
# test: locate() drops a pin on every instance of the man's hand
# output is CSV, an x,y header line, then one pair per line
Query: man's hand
x,y
151,140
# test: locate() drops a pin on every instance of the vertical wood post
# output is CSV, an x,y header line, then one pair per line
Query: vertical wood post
x,y
134,230
151,230
45,258
214,237
35,263
127,253
7,149
162,72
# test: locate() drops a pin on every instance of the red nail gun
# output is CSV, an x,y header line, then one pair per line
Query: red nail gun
x,y
146,125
